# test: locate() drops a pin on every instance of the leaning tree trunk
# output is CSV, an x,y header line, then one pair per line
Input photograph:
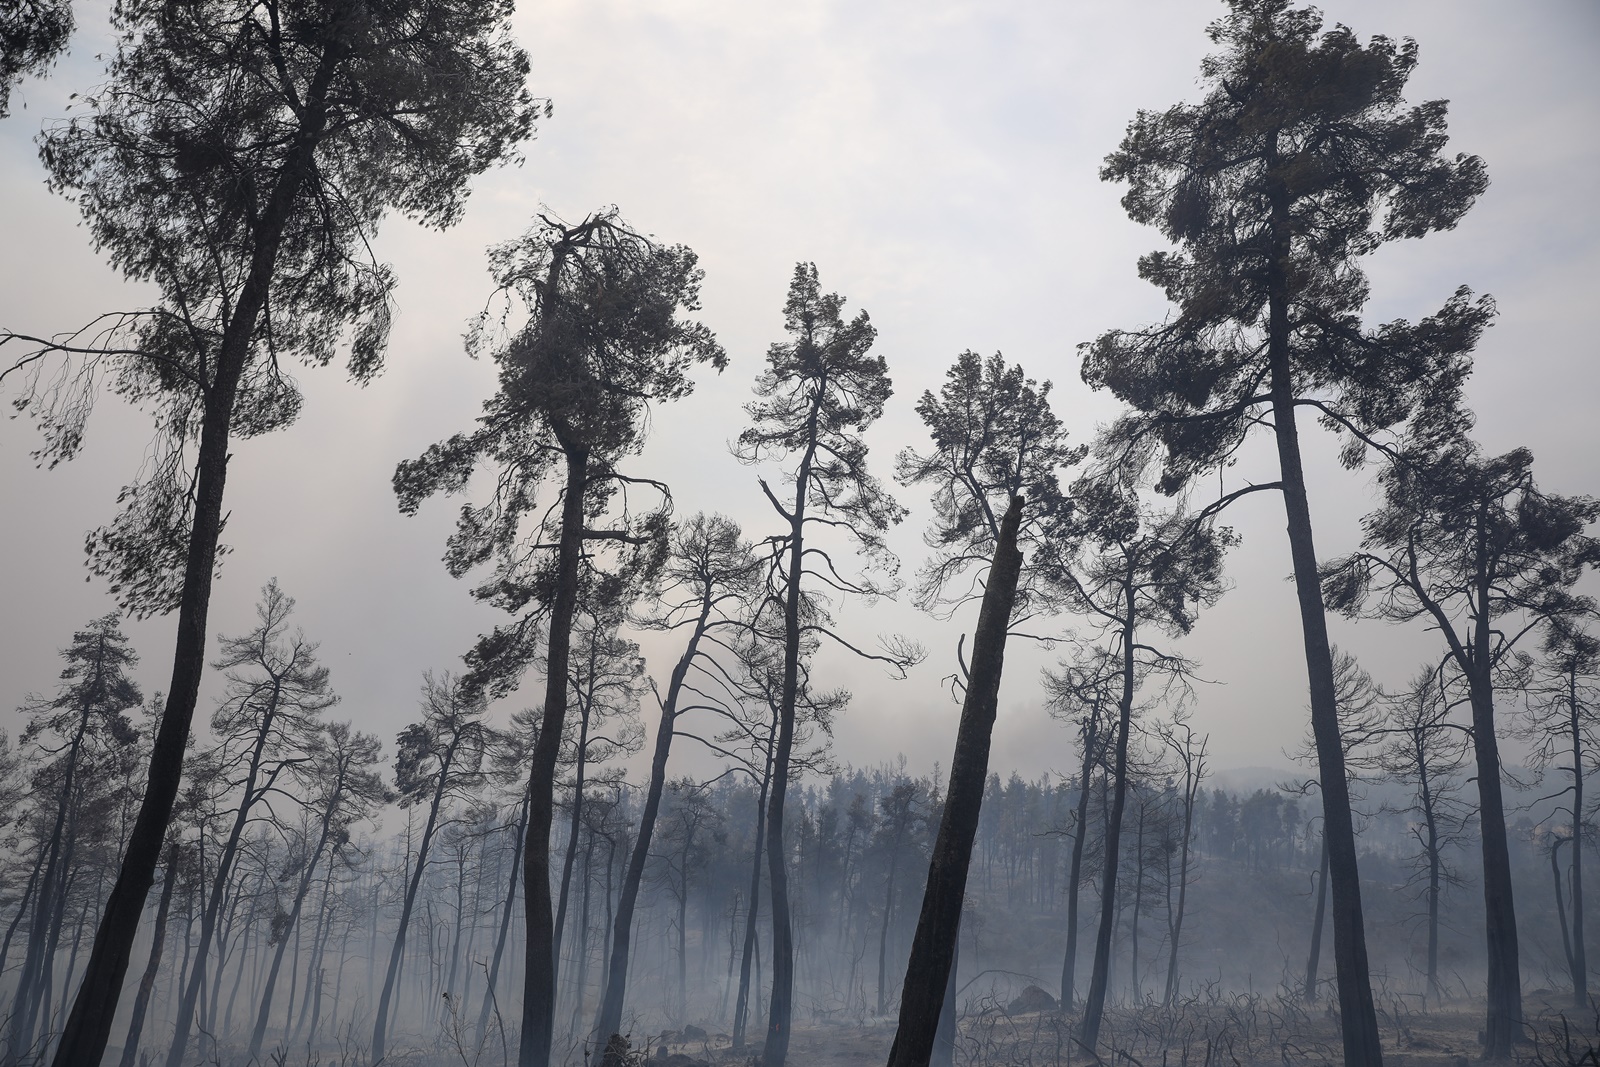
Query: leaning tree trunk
x,y
147,981
1358,1016
1094,1003
944,1038
933,947
1069,963
88,1027
539,987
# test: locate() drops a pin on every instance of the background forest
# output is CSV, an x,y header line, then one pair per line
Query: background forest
x,y
691,783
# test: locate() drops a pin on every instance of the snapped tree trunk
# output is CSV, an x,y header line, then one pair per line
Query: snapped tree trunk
x,y
929,972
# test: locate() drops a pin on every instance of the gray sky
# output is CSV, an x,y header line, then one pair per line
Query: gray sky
x,y
938,161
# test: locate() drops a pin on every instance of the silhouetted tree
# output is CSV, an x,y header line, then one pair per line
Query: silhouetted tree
x,y
239,158
1129,570
603,341
1423,751
343,790
707,587
73,732
265,726
1565,725
1473,546
32,34
437,759
1299,159
997,452
819,392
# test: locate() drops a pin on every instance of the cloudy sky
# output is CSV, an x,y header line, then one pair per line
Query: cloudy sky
x,y
938,162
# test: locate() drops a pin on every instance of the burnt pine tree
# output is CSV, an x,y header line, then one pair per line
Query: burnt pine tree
x,y
706,589
343,790
1300,158
1473,547
1128,570
997,450
1085,696
239,158
820,390
603,341
265,724
1424,751
87,716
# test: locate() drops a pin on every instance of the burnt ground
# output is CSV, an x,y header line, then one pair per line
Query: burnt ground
x,y
1244,1030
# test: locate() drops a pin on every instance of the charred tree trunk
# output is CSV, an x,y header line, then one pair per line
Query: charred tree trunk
x,y
147,981
306,877
505,925
931,968
1094,1004
1500,919
539,986
775,1051
1075,874
741,1007
1309,990
1580,959
615,978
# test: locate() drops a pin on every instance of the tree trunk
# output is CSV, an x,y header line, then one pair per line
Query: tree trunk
x,y
1580,960
1094,1004
219,889
944,1038
931,968
1357,1013
1075,876
1191,783
1500,919
539,988
1309,990
615,978
147,981
775,1051
741,1007
505,926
